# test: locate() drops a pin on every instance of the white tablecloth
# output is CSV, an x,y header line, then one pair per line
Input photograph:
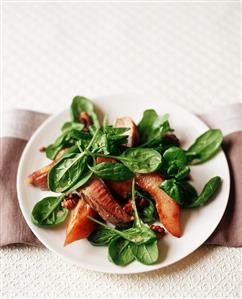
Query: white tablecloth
x,y
188,53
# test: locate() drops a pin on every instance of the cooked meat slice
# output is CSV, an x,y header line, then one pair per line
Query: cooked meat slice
x,y
121,188
97,195
127,122
80,226
167,208
39,177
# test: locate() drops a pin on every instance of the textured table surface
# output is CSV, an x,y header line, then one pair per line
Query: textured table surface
x,y
188,53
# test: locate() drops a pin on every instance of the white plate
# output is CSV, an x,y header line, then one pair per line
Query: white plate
x,y
198,224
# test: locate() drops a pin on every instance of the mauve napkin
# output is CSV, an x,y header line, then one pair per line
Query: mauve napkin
x,y
19,125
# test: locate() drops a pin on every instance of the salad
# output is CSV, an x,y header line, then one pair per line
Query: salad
x,y
123,185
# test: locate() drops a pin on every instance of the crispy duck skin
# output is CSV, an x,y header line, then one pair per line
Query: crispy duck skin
x,y
167,208
39,178
127,122
97,195
121,188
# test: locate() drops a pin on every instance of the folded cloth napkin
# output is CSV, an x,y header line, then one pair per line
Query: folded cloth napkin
x,y
19,125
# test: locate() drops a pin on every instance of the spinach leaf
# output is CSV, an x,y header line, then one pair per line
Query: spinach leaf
x,y
79,135
147,254
82,139
205,146
174,163
101,144
138,234
141,160
189,193
72,125
53,149
148,214
182,173
84,178
173,189
65,173
70,170
48,212
116,138
81,104
152,128
146,124
143,232
119,252
208,191
101,237
110,140
175,156
180,191
66,139
112,171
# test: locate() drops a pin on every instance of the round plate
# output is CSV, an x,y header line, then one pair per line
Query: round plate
x,y
197,224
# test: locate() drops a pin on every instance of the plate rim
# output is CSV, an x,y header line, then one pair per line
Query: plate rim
x,y
91,267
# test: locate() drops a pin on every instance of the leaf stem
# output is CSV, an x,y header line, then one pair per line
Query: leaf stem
x,y
119,158
60,198
108,227
137,220
92,140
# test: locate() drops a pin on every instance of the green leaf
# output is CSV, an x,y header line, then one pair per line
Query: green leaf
x,y
182,173
85,177
119,252
180,191
175,156
147,254
79,135
70,170
148,214
101,237
110,140
141,160
112,171
82,104
53,149
173,189
139,234
152,128
66,139
65,173
48,212
146,124
208,191
72,125
205,146
189,193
